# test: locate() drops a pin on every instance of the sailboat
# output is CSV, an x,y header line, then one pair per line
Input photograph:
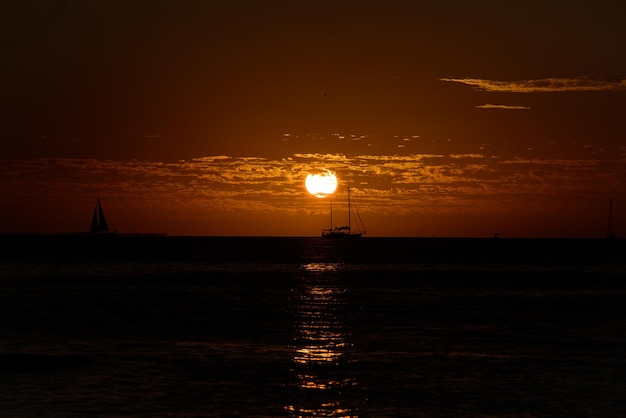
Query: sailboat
x,y
344,232
99,223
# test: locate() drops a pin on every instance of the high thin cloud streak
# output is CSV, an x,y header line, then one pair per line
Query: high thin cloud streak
x,y
501,106
543,85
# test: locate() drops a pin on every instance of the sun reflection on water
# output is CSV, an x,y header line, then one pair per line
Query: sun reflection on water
x,y
322,267
322,351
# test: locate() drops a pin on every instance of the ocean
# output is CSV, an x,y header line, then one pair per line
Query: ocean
x,y
164,326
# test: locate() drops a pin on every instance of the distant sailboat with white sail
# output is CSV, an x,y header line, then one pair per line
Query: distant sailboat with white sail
x,y
99,223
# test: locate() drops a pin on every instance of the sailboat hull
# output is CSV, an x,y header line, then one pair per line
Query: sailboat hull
x,y
339,235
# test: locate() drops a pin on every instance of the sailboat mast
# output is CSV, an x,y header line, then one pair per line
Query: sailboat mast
x,y
331,216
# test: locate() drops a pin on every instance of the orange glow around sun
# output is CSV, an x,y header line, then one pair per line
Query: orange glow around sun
x,y
321,184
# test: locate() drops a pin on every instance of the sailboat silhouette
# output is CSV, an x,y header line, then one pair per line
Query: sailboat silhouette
x,y
98,221
343,232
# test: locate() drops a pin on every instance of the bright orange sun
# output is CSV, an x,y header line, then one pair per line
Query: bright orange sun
x,y
321,184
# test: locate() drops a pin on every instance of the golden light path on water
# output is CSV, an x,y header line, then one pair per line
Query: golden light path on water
x,y
321,346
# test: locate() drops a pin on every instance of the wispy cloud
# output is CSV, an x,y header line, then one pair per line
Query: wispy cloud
x,y
382,184
246,181
502,106
543,85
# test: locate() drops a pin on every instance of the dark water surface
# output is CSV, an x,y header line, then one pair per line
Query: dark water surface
x,y
134,326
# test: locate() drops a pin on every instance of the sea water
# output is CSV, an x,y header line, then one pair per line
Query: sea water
x,y
142,326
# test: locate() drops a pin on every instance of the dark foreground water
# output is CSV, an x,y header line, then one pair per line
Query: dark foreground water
x,y
304,327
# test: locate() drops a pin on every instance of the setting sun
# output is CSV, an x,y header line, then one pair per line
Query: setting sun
x,y
321,184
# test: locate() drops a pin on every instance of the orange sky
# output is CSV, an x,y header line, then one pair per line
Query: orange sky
x,y
455,119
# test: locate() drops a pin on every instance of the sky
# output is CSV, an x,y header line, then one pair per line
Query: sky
x,y
444,118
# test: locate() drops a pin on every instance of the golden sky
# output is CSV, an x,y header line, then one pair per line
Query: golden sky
x,y
448,118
